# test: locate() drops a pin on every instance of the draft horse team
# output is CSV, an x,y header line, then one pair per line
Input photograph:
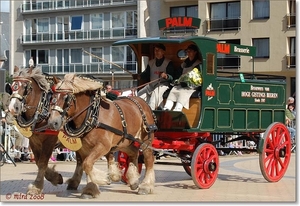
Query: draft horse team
x,y
77,105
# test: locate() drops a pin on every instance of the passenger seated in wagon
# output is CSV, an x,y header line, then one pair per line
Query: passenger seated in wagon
x,y
189,81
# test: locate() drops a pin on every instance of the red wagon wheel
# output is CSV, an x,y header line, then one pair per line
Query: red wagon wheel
x,y
276,152
205,166
124,162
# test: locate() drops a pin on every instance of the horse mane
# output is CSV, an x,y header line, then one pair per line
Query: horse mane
x,y
78,83
36,74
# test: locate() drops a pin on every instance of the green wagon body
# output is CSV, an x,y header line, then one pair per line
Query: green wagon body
x,y
250,105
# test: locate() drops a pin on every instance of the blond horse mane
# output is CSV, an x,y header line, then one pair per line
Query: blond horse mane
x,y
77,84
35,73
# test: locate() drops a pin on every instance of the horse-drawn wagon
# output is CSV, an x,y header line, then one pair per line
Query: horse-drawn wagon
x,y
228,103
249,106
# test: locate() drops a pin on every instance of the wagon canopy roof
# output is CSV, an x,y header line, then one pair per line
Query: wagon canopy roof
x,y
147,40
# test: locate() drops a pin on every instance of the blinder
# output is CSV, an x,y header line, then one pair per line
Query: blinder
x,y
8,88
49,96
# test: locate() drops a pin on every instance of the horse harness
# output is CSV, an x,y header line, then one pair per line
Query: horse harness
x,y
91,119
148,128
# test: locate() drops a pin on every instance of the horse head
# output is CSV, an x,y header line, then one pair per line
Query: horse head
x,y
28,94
61,108
64,105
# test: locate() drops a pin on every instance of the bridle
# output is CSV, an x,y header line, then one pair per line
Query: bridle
x,y
42,107
91,117
70,97
17,84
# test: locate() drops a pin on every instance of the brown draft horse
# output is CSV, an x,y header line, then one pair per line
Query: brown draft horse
x,y
105,126
29,104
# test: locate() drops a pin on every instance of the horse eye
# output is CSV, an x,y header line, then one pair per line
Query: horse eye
x,y
15,86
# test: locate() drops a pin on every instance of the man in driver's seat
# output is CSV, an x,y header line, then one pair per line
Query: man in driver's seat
x,y
160,69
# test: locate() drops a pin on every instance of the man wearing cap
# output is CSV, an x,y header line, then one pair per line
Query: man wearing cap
x,y
188,82
160,69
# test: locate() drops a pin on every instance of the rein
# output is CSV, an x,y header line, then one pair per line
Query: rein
x,y
134,88
76,115
107,61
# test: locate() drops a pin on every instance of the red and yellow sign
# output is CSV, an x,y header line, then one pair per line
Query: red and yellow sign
x,y
180,21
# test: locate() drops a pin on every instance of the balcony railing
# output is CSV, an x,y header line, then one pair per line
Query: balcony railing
x,y
228,62
93,68
291,20
67,4
78,35
291,61
223,24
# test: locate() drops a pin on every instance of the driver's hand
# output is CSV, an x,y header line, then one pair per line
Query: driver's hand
x,y
164,75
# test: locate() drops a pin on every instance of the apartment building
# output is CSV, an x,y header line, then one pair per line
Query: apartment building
x,y
62,35
75,36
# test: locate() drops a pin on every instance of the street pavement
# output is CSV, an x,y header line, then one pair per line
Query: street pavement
x,y
239,181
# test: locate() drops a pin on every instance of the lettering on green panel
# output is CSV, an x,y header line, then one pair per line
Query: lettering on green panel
x,y
258,94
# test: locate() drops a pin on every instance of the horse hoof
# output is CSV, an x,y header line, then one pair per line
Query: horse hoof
x,y
61,180
33,190
134,186
86,196
144,191
71,188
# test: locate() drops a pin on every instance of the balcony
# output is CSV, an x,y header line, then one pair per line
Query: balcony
x,y
92,68
222,24
291,20
228,62
291,61
56,5
78,36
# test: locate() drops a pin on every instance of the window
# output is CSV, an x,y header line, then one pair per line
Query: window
x,y
118,19
293,46
292,7
62,27
76,22
228,61
131,17
96,21
191,11
224,16
228,10
262,47
291,16
43,25
118,54
131,23
97,52
76,56
291,57
261,9
42,56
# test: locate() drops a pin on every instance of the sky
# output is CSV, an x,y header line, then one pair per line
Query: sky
x,y
4,5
